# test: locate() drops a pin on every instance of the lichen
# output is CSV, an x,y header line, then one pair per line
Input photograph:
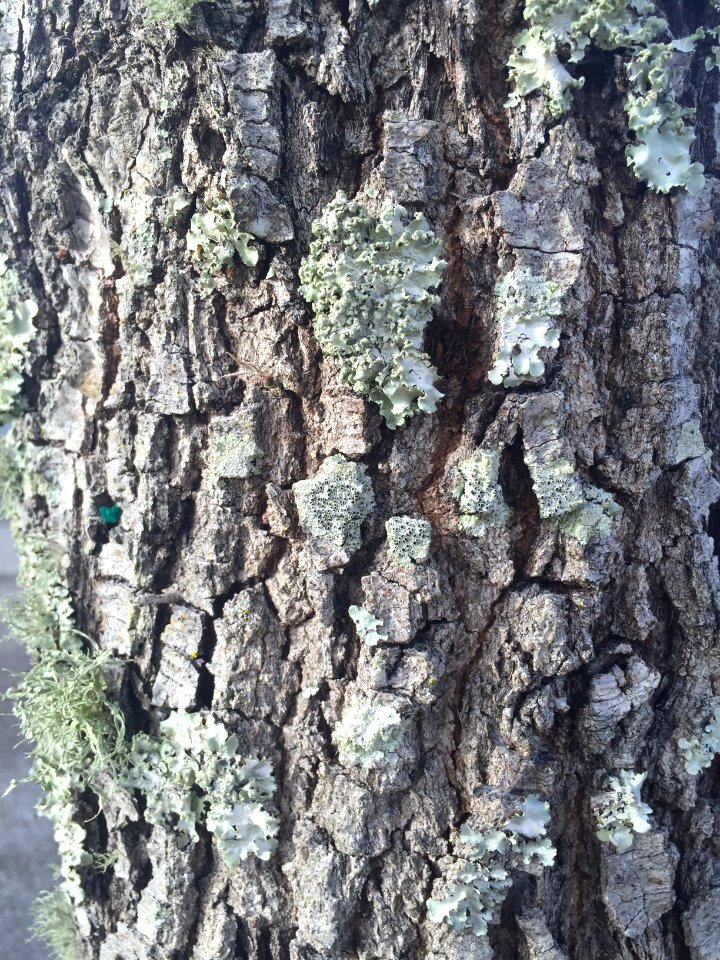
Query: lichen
x,y
479,494
621,813
368,734
699,752
368,280
54,924
191,773
16,332
582,511
526,308
408,540
486,860
214,240
169,13
232,454
690,443
333,504
661,153
367,626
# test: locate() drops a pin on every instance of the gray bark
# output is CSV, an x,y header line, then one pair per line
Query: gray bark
x,y
552,663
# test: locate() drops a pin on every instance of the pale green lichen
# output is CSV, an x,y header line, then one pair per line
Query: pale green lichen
x,y
54,924
621,812
582,511
368,734
367,626
661,154
408,540
191,773
214,240
369,280
479,494
526,306
699,752
233,455
690,443
333,504
486,861
170,13
16,332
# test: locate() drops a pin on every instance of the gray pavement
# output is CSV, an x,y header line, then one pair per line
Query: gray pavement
x,y
27,849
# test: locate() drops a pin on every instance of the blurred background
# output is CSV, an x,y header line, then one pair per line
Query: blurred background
x,y
27,849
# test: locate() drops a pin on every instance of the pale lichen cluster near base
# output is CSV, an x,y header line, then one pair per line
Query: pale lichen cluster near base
x,y
527,306
16,332
408,540
368,734
621,813
699,752
333,504
214,240
660,154
191,773
486,861
580,510
479,494
368,280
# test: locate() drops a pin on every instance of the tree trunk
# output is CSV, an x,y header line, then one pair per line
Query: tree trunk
x,y
523,660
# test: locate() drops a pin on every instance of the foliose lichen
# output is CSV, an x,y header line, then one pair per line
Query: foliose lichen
x,y
367,626
699,752
582,511
333,504
369,280
408,540
661,153
486,861
527,306
214,240
368,734
479,494
621,812
16,332
192,773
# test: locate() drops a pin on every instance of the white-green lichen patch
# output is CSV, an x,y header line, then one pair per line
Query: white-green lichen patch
x,y
368,280
527,306
169,13
408,540
214,240
367,626
699,752
368,734
582,511
191,773
479,494
690,443
233,454
486,861
16,332
333,504
660,154
622,813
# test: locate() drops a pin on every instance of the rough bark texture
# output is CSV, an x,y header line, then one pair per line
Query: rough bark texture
x,y
525,661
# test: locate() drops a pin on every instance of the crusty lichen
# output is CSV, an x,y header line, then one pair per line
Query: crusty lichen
x,y
170,13
369,280
408,540
232,453
582,511
486,860
479,494
368,734
661,154
333,504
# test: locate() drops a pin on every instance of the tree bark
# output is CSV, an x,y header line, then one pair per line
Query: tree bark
x,y
524,660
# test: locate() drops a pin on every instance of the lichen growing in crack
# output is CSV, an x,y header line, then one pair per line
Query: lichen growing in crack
x,y
699,752
368,280
620,812
479,495
580,510
214,240
408,540
480,881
